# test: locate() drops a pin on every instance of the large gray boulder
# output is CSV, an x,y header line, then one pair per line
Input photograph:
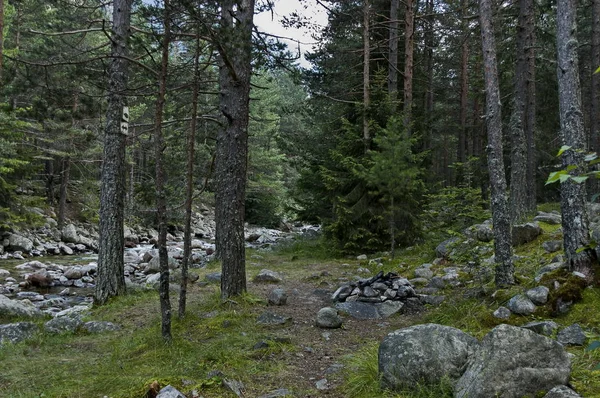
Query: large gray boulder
x,y
63,324
525,233
23,308
268,276
16,332
443,249
328,318
69,234
513,362
561,392
424,354
521,304
19,243
572,335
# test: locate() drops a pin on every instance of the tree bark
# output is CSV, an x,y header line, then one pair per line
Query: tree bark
x,y
518,166
1,37
366,74
65,175
464,85
530,108
189,187
409,26
161,199
429,66
572,198
499,201
231,162
393,54
595,111
110,280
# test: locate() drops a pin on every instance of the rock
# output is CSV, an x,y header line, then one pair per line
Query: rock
x,y
170,392
154,265
521,304
69,234
423,273
270,318
483,232
22,308
552,246
432,299
548,218
63,324
31,265
214,277
16,332
549,268
502,313
443,249
389,308
572,335
538,295
437,282
561,392
73,273
341,293
412,306
525,233
78,309
235,386
4,273
328,318
41,278
322,385
545,328
19,243
100,327
362,257
513,362
359,310
267,276
277,297
423,354
153,280
280,392
64,249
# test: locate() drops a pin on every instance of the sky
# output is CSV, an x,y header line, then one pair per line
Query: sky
x,y
270,23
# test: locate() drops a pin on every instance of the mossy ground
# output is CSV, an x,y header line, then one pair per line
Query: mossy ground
x,y
222,336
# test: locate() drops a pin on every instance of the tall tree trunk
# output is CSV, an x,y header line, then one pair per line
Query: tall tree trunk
x,y
530,108
49,166
518,167
366,74
1,37
409,38
595,111
464,84
65,175
231,160
572,195
499,201
189,186
393,53
161,199
429,65
110,280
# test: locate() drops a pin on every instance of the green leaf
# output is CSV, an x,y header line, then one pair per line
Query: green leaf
x,y
591,156
594,197
563,149
564,177
580,179
597,70
554,176
593,345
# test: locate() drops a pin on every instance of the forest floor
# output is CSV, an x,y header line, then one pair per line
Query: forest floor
x,y
219,341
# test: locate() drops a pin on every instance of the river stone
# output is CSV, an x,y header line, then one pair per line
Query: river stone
x,y
561,392
64,249
423,354
100,327
63,324
525,233
4,273
19,243
572,335
521,304
513,362
73,273
23,308
170,392
545,328
154,265
359,310
277,297
538,295
16,332
69,234
267,276
31,265
548,218
328,318
270,318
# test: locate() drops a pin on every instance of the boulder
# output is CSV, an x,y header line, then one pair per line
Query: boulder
x,y
73,273
502,313
64,249
424,354
552,246
277,297
4,273
19,243
561,392
100,327
513,362
69,234
525,233
63,324
422,272
521,304
545,328
549,268
170,392
213,277
328,318
22,308
389,308
538,295
267,276
359,310
483,232
443,249
154,265
16,332
572,335
548,218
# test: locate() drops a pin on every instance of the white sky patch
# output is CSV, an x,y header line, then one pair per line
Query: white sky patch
x,y
271,23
